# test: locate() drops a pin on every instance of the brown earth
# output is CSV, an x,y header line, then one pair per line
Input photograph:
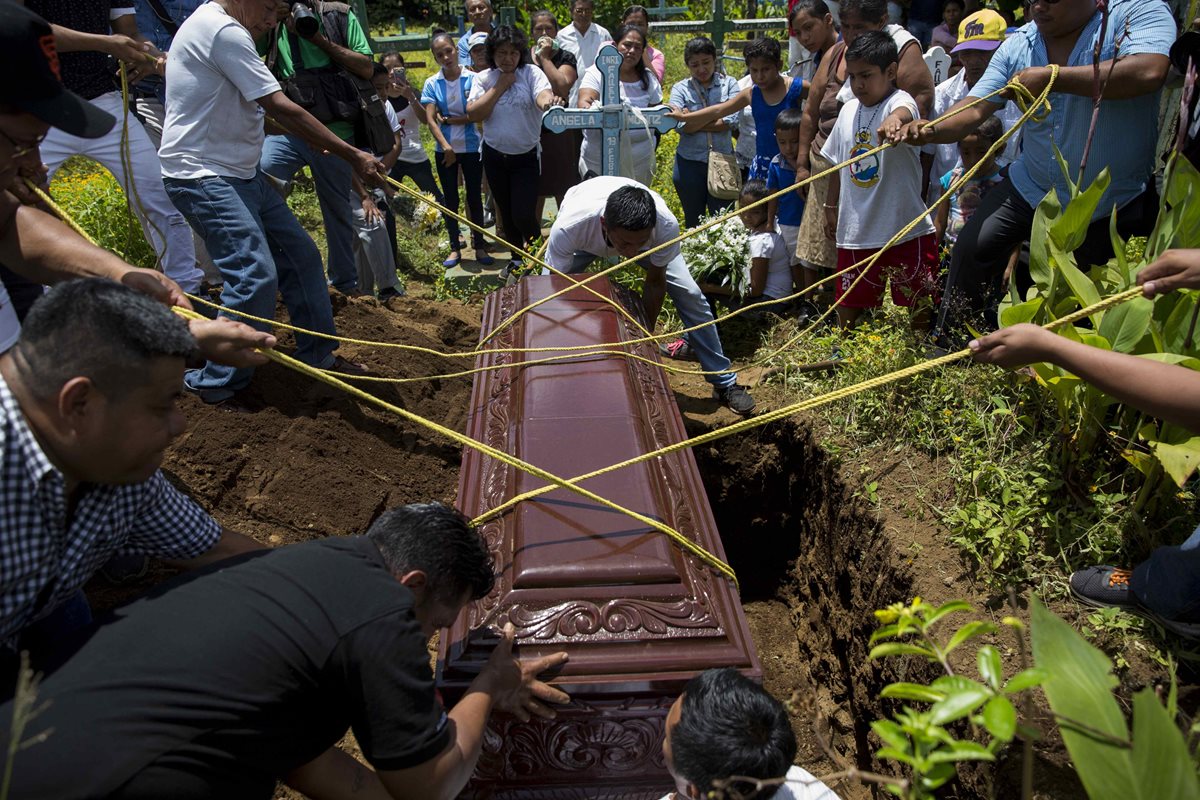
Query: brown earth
x,y
815,557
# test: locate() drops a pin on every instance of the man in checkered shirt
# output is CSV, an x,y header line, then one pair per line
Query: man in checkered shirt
x,y
88,405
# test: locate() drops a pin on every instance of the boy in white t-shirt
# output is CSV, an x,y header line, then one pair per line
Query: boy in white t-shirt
x,y
883,193
725,724
374,260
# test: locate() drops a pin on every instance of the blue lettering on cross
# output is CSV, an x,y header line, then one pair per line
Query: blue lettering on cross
x,y
610,116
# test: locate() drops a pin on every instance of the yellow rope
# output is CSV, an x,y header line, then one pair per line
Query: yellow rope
x,y
805,405
1039,109
504,458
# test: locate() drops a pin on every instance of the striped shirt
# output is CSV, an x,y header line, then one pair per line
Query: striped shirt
x,y
1127,130
451,100
46,555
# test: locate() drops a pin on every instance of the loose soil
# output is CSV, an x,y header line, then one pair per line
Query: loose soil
x,y
815,558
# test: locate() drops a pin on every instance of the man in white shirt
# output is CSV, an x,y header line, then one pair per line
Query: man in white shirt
x,y
218,92
978,37
725,724
614,216
582,38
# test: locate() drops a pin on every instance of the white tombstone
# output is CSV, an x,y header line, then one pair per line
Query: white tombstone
x,y
938,62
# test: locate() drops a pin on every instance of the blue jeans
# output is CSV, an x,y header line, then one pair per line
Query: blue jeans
x,y
1168,582
691,182
261,250
693,310
282,158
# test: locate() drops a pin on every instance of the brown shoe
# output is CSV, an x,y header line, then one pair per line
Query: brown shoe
x,y
346,367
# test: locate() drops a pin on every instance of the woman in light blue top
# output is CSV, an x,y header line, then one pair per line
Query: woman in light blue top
x,y
705,87
445,101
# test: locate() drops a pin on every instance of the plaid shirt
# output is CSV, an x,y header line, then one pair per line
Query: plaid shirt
x,y
44,558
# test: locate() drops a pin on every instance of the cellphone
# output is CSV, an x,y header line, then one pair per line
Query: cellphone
x,y
398,74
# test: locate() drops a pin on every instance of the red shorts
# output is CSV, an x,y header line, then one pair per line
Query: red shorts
x,y
911,267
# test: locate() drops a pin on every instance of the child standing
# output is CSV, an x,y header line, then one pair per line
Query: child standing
x,y
770,256
883,193
787,211
954,212
770,93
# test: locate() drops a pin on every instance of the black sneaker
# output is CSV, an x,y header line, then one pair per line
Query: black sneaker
x,y
735,398
678,349
1103,587
1108,587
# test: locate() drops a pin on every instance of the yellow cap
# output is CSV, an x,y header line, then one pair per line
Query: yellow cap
x,y
983,30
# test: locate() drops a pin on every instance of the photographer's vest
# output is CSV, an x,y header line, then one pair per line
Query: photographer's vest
x,y
331,93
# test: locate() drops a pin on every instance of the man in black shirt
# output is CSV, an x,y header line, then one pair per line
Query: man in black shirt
x,y
221,682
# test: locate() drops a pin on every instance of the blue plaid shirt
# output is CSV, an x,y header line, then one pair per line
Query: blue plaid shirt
x,y
44,557
1127,130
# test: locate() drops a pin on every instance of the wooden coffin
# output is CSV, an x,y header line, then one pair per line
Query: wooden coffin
x,y
637,616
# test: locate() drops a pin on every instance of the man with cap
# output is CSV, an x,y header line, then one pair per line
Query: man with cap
x,y
33,243
1064,33
978,37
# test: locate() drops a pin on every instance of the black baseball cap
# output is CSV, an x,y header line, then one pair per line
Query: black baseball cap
x,y
32,83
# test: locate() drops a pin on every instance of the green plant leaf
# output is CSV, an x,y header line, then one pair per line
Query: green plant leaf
x,y
961,751
958,704
1000,718
899,649
1025,679
1085,291
1178,453
1078,685
891,734
944,609
1021,312
968,631
1071,227
1161,764
990,669
912,691
1127,324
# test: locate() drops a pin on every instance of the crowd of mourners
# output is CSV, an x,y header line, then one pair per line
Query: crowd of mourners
x,y
247,668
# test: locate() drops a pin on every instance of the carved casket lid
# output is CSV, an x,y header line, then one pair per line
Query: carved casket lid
x,y
634,612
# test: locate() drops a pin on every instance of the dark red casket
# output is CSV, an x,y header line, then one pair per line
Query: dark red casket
x,y
638,617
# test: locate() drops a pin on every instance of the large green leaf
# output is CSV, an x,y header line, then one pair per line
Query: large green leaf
x,y
1085,291
1078,685
1022,312
1070,229
1127,324
1178,452
1161,763
1039,241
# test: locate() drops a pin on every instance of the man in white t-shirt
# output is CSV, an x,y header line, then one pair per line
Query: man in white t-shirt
x,y
218,92
612,216
582,39
725,724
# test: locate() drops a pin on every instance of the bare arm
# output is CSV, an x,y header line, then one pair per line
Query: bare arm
x,y
358,63
1166,391
230,544
561,78
504,684
653,291
758,275
1132,76
954,129
914,78
812,118
586,97
295,119
704,116
940,219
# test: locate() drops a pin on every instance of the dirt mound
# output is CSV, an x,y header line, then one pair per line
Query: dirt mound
x,y
313,461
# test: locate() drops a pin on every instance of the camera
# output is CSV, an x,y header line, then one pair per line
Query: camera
x,y
304,20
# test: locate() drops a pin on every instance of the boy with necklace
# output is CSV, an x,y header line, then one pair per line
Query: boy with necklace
x,y
865,212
